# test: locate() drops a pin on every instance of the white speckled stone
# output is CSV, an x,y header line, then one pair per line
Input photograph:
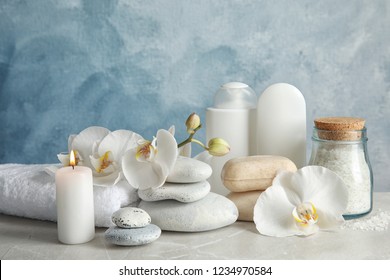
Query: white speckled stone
x,y
132,236
180,192
130,217
189,170
212,212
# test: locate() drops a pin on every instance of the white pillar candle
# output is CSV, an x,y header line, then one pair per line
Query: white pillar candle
x,y
75,208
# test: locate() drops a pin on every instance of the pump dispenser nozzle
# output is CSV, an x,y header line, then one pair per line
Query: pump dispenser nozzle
x,y
235,95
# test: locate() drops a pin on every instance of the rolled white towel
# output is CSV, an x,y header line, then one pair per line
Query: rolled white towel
x,y
29,191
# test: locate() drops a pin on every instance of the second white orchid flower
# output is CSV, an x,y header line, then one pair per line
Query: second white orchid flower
x,y
301,203
148,165
106,158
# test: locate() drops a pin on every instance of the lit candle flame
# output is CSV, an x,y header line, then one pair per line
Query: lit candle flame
x,y
72,159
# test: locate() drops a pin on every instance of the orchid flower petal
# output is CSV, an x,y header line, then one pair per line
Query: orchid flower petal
x,y
321,186
103,164
272,213
95,149
172,130
70,141
329,221
118,142
120,178
167,150
185,150
95,162
64,158
283,178
139,174
84,141
108,180
308,229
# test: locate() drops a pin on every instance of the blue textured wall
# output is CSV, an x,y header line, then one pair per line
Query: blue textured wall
x,y
142,65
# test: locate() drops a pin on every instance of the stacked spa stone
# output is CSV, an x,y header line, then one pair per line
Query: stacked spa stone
x,y
132,228
248,177
184,203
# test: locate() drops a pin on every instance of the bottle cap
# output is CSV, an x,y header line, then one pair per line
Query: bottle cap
x,y
235,95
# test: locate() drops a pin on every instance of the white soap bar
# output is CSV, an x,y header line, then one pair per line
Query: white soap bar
x,y
281,123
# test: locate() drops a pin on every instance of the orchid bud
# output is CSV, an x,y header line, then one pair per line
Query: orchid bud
x,y
192,123
218,147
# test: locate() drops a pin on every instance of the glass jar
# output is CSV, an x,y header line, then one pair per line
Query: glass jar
x,y
340,144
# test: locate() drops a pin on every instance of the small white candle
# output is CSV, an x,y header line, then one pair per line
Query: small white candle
x,y
75,208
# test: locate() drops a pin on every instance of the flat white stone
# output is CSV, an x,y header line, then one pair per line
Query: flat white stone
x,y
130,217
132,236
189,170
180,192
212,212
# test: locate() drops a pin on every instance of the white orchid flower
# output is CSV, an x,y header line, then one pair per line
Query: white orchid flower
x,y
301,203
148,165
106,157
82,144
101,150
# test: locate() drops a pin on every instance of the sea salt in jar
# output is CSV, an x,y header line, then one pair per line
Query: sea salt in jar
x,y
340,144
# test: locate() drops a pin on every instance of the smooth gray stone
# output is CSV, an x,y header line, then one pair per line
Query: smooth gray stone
x,y
189,170
132,236
180,192
212,212
130,217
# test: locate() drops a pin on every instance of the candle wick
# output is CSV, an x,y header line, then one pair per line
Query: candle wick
x,y
73,167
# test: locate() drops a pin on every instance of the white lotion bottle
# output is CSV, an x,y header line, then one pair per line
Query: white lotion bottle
x,y
281,123
232,118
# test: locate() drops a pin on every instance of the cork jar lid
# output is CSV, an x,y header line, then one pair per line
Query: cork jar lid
x,y
340,128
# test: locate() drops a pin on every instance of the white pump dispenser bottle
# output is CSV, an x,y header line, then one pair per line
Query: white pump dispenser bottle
x,y
232,118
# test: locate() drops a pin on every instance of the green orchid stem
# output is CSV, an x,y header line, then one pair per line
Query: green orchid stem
x,y
190,138
199,143
184,142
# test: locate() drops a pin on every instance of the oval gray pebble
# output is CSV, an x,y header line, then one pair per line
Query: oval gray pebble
x,y
130,217
132,236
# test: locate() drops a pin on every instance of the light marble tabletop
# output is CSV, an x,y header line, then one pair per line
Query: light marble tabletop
x,y
32,239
